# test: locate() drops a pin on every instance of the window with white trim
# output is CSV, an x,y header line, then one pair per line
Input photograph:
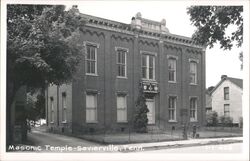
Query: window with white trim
x,y
172,69
226,93
121,63
193,72
121,108
64,107
91,108
172,108
226,110
193,109
148,66
52,114
91,59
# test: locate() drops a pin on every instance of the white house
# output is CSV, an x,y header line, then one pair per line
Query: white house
x,y
227,98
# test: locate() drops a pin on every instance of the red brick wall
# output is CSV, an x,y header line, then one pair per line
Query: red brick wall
x,y
108,85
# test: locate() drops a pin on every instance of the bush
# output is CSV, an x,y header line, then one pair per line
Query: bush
x,y
140,117
212,118
226,120
241,122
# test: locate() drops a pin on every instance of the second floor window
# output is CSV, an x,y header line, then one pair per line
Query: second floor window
x,y
193,72
121,63
91,59
172,69
148,66
226,93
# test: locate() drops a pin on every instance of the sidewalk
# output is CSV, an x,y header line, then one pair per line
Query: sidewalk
x,y
166,136
180,143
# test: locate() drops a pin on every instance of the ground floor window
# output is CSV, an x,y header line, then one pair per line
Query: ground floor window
x,y
52,114
226,110
172,108
64,107
151,107
193,109
121,108
91,108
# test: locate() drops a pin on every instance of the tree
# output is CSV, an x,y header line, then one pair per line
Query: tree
x,y
212,118
35,108
241,60
211,23
31,112
42,47
40,105
226,120
140,117
241,122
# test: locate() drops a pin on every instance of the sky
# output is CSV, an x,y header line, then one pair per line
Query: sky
x,y
218,61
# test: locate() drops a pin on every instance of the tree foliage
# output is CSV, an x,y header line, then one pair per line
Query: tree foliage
x,y
241,122
35,108
41,44
212,118
226,120
211,23
42,47
241,60
140,117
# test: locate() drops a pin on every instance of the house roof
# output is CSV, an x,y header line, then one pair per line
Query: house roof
x,y
238,82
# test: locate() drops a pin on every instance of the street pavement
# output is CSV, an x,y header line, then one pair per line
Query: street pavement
x,y
42,138
58,143
187,143
221,148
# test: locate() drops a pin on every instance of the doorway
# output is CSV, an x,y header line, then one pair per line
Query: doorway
x,y
151,107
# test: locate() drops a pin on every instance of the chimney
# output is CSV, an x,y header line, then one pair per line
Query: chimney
x,y
136,21
223,76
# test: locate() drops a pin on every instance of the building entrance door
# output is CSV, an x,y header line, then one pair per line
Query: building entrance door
x,y
151,107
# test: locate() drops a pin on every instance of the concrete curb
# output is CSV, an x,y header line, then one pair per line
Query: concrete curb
x,y
182,144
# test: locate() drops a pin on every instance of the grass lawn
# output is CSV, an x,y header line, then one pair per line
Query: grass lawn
x,y
123,138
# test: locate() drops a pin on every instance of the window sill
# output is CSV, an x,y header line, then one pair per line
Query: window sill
x,y
52,122
120,77
174,82
122,122
193,120
91,122
193,84
64,122
145,79
89,74
174,121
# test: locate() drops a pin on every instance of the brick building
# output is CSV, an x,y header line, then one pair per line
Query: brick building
x,y
118,60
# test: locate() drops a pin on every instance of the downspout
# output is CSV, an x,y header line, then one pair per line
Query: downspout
x,y
47,104
57,90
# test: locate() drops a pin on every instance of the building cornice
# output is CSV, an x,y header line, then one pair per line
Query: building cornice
x,y
119,27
